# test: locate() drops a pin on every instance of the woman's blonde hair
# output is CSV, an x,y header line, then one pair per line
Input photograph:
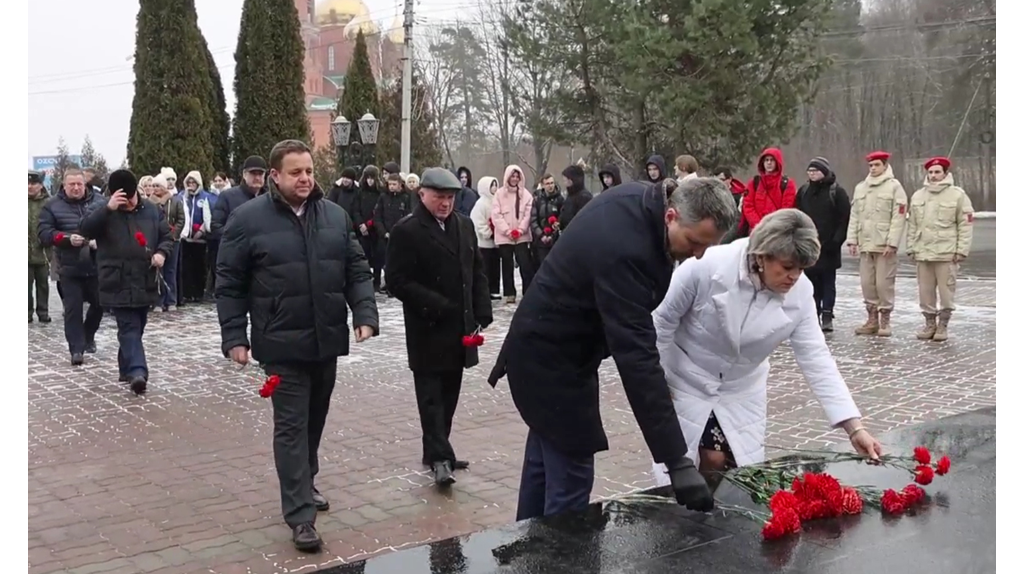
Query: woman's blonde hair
x,y
412,180
143,181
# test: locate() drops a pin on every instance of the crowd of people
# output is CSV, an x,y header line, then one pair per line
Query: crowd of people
x,y
690,326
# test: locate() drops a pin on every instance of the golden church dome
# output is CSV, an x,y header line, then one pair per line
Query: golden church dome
x,y
363,23
339,12
396,32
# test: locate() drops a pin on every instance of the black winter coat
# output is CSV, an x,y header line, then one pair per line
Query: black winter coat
x,y
830,212
593,298
227,202
366,201
545,205
295,277
125,273
612,170
390,209
62,214
438,275
576,198
343,196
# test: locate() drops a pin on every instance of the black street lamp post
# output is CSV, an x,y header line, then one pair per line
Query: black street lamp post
x,y
361,151
341,131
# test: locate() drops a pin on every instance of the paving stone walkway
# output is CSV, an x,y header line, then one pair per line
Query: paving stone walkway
x,y
182,480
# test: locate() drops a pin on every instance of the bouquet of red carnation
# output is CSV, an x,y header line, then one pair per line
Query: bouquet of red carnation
x,y
817,495
475,339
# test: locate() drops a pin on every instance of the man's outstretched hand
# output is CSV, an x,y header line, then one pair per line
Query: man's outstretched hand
x,y
690,487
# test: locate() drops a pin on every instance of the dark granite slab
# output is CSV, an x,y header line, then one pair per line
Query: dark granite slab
x,y
954,533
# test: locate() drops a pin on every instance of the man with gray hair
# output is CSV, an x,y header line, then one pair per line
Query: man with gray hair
x,y
593,299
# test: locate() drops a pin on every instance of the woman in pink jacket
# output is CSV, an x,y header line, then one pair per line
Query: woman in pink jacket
x,y
510,214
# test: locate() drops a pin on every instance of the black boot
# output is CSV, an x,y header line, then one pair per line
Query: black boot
x,y
826,321
320,501
305,538
90,346
138,385
42,319
443,473
77,359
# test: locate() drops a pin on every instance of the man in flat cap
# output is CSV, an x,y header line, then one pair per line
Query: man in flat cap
x,y
38,256
877,220
939,234
254,173
436,270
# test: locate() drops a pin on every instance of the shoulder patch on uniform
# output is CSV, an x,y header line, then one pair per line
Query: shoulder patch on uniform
x,y
970,217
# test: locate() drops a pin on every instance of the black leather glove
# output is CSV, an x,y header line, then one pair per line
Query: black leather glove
x,y
690,487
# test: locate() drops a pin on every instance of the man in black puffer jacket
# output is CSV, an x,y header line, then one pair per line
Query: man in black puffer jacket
x,y
344,191
60,223
133,241
547,206
394,204
291,261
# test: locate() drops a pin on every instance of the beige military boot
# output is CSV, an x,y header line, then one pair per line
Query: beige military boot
x,y
884,326
870,327
928,331
942,329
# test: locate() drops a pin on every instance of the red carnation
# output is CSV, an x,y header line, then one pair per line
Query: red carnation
x,y
552,220
140,238
548,231
783,522
515,234
474,340
942,467
196,227
852,503
369,223
59,237
912,494
773,530
924,474
782,500
893,502
834,503
269,386
921,455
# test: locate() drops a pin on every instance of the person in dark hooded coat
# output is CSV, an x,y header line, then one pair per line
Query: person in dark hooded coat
x,y
467,196
576,195
370,185
610,176
828,205
345,191
655,169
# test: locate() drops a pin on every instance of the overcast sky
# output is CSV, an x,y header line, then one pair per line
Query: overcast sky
x,y
80,78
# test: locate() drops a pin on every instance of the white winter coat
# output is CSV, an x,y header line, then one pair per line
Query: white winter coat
x,y
481,213
716,330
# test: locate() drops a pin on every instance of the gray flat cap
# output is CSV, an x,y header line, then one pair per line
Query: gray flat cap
x,y
440,179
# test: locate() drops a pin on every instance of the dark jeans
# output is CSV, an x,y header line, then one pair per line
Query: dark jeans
x,y
510,255
193,270
824,282
212,247
492,268
552,481
77,292
437,396
540,253
300,403
39,285
131,355
169,296
374,255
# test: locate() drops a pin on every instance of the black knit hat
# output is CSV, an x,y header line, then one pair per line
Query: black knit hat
x,y
349,172
573,172
392,167
125,181
821,164
254,162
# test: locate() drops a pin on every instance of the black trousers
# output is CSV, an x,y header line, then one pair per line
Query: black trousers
x,y
824,282
301,402
510,255
131,355
552,481
540,253
212,247
437,396
80,326
39,286
193,270
374,255
492,268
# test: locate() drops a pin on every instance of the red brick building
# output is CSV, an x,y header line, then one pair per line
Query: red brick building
x,y
329,29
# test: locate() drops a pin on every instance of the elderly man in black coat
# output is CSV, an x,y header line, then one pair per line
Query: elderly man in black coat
x,y
436,270
60,222
133,241
593,298
289,259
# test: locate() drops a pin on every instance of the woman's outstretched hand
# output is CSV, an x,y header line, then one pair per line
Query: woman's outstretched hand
x,y
866,445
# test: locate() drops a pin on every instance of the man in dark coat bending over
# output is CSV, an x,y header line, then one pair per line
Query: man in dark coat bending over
x,y
592,299
290,260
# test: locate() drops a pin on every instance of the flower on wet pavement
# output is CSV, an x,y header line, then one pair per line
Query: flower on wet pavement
x,y
942,467
924,474
921,455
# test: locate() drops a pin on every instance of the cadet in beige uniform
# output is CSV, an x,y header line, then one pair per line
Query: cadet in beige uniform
x,y
877,218
939,234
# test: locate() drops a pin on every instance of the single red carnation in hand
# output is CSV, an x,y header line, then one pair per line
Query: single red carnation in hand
x,y
548,231
478,339
924,474
196,226
59,237
140,238
852,503
893,502
369,223
467,340
921,455
552,220
515,234
269,386
942,467
912,494
783,500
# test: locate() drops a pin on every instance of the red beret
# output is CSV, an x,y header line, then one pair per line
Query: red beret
x,y
943,161
878,155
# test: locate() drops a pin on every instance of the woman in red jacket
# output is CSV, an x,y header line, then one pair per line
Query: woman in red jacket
x,y
767,192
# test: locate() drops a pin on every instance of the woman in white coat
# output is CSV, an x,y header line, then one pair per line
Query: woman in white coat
x,y
481,216
723,316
